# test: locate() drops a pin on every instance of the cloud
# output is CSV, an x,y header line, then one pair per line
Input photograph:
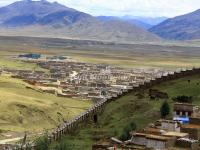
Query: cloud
x,y
168,8
152,8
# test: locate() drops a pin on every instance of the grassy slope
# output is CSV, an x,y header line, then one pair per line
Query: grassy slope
x,y
117,114
25,109
15,64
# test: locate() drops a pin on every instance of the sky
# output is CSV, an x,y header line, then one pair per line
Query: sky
x,y
147,8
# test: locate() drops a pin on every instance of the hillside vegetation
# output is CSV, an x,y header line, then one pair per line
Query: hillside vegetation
x,y
24,109
131,108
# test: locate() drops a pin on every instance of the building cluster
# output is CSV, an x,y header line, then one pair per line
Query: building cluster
x,y
85,81
180,133
183,131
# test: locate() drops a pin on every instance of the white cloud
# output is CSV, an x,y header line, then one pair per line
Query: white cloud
x,y
167,8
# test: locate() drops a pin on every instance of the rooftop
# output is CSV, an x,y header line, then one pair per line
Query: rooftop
x,y
157,137
191,126
175,134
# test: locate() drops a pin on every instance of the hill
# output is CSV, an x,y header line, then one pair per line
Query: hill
x,y
185,27
46,19
25,109
131,108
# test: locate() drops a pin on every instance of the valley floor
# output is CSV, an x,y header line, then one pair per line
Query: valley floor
x,y
161,54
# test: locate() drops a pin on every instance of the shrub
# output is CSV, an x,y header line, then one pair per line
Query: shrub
x,y
183,99
62,146
126,132
42,143
165,109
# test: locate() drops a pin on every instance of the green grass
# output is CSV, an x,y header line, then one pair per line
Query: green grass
x,y
182,87
25,109
129,108
17,64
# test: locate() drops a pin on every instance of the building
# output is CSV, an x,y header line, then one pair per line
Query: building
x,y
187,143
195,120
159,142
170,125
185,110
152,141
176,135
139,139
192,129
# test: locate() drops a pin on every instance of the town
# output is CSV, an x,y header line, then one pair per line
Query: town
x,y
72,79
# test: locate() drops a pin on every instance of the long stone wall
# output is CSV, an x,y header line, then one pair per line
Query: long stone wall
x,y
72,125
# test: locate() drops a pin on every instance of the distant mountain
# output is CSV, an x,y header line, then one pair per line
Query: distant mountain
x,y
130,21
148,20
45,19
185,27
27,12
143,22
140,24
108,18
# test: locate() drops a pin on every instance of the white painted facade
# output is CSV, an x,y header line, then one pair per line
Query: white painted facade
x,y
155,144
139,140
170,126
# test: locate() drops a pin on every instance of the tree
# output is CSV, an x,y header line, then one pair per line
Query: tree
x,y
126,132
165,109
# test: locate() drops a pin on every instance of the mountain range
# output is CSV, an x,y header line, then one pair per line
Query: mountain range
x,y
185,27
143,22
46,19
51,19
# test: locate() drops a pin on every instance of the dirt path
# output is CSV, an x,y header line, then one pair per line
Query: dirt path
x,y
6,141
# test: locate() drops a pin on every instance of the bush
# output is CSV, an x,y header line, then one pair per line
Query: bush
x,y
183,99
62,146
165,109
42,143
126,132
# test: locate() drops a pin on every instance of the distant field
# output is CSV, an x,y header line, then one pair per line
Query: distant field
x,y
129,108
167,55
130,60
25,109
15,64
